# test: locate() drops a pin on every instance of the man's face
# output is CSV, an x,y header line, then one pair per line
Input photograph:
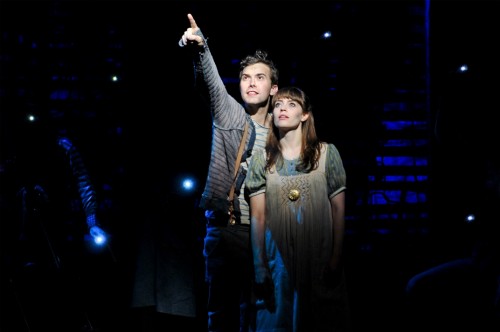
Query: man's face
x,y
255,84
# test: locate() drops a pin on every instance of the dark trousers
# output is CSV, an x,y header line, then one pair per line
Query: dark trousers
x,y
229,275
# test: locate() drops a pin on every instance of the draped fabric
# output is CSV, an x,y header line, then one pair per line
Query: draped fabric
x,y
298,247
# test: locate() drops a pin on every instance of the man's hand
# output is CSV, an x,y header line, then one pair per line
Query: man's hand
x,y
190,36
98,234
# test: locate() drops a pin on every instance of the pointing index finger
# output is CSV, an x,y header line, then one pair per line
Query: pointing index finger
x,y
192,22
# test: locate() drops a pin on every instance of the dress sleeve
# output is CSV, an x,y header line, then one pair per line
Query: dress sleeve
x,y
255,182
335,172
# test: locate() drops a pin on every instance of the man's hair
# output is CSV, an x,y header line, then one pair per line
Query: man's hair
x,y
260,57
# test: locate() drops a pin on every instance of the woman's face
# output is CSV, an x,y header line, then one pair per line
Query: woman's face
x,y
288,114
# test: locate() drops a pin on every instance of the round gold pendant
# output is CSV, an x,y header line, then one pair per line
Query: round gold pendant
x,y
293,194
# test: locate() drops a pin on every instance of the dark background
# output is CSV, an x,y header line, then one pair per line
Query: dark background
x,y
387,62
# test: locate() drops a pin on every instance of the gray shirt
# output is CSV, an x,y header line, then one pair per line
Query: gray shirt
x,y
228,122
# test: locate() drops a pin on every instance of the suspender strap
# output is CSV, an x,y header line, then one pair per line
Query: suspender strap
x,y
232,218
238,161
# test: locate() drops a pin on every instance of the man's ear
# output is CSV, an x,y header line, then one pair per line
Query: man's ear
x,y
274,89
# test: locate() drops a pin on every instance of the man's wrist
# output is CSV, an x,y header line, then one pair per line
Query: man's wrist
x,y
92,221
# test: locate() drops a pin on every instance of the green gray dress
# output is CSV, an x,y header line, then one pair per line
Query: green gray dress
x,y
299,242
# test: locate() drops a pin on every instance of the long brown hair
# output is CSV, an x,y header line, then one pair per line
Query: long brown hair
x,y
311,145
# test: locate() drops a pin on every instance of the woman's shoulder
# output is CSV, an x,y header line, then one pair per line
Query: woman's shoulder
x,y
329,147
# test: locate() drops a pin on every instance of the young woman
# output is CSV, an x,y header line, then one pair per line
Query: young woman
x,y
297,205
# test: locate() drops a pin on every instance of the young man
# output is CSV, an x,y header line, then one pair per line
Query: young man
x,y
228,258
